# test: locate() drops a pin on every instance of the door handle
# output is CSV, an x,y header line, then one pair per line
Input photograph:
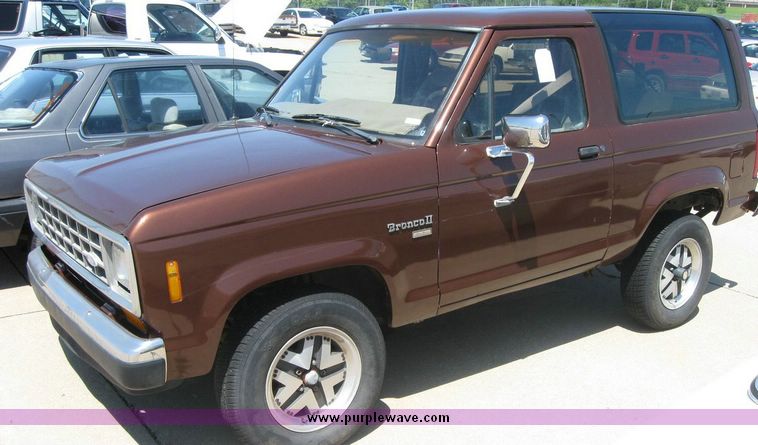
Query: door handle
x,y
502,151
591,152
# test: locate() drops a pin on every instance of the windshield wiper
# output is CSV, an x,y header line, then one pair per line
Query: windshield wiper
x,y
264,111
344,124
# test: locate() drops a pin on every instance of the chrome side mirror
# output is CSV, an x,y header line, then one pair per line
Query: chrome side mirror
x,y
520,132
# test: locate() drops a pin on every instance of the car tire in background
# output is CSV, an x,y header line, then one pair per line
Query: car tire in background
x,y
303,30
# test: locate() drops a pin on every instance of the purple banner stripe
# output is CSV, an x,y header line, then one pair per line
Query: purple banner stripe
x,y
396,417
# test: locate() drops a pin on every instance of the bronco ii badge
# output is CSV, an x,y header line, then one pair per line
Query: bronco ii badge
x,y
421,223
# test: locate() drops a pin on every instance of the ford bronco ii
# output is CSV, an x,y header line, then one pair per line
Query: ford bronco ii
x,y
367,194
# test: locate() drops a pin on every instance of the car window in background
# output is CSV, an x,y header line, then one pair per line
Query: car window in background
x,y
62,19
123,52
55,55
179,24
208,8
5,55
751,50
309,14
145,100
107,18
240,90
26,97
9,16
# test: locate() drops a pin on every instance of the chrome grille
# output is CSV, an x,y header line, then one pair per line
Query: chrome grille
x,y
71,236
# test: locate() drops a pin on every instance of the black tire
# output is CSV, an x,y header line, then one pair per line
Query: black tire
x,y
303,30
284,33
642,275
655,82
244,366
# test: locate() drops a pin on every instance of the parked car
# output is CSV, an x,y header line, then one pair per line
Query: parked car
x,y
181,28
750,46
397,7
54,108
336,14
42,18
368,195
303,21
18,53
364,10
748,30
449,5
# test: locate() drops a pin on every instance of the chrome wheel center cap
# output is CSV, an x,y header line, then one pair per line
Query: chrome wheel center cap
x,y
311,378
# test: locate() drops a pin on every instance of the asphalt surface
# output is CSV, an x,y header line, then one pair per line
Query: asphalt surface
x,y
565,345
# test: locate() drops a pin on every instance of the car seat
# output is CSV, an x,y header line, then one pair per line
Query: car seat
x,y
164,113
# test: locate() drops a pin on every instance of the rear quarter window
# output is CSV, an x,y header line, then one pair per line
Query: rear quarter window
x,y
687,73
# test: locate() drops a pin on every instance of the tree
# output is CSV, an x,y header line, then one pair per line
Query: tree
x,y
720,6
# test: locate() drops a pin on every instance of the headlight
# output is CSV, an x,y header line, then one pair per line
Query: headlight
x,y
121,267
95,252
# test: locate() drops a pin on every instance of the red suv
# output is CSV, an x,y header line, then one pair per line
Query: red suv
x,y
671,60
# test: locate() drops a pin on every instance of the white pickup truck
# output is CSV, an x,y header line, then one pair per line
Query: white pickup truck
x,y
184,30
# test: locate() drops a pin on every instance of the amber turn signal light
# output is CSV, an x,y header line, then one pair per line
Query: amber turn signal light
x,y
174,282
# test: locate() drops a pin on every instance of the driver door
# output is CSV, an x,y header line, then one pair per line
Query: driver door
x,y
559,224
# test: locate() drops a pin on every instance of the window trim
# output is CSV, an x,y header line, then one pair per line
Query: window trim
x,y
470,141
86,137
614,84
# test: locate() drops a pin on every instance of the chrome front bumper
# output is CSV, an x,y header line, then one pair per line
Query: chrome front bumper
x,y
132,363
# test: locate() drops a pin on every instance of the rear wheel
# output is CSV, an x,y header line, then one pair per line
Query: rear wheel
x,y
320,353
663,282
655,82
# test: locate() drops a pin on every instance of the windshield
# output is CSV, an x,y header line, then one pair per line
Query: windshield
x,y
26,97
9,15
60,20
179,24
304,14
391,81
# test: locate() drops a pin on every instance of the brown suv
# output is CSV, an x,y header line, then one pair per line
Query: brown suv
x,y
366,194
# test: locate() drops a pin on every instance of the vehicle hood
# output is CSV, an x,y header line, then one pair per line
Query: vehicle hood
x,y
317,21
113,184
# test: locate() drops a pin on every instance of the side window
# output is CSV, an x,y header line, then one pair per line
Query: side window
x,y
55,55
644,41
699,46
671,43
146,100
527,77
180,24
240,90
649,89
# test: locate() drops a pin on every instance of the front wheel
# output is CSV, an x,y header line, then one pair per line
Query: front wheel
x,y
284,33
663,282
320,353
303,30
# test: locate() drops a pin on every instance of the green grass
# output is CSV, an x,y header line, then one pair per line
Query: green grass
x,y
731,13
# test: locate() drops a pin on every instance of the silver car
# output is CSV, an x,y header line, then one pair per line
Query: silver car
x,y
52,108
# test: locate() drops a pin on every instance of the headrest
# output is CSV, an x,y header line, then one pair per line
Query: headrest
x,y
163,111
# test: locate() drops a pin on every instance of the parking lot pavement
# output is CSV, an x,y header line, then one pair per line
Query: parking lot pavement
x,y
564,345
